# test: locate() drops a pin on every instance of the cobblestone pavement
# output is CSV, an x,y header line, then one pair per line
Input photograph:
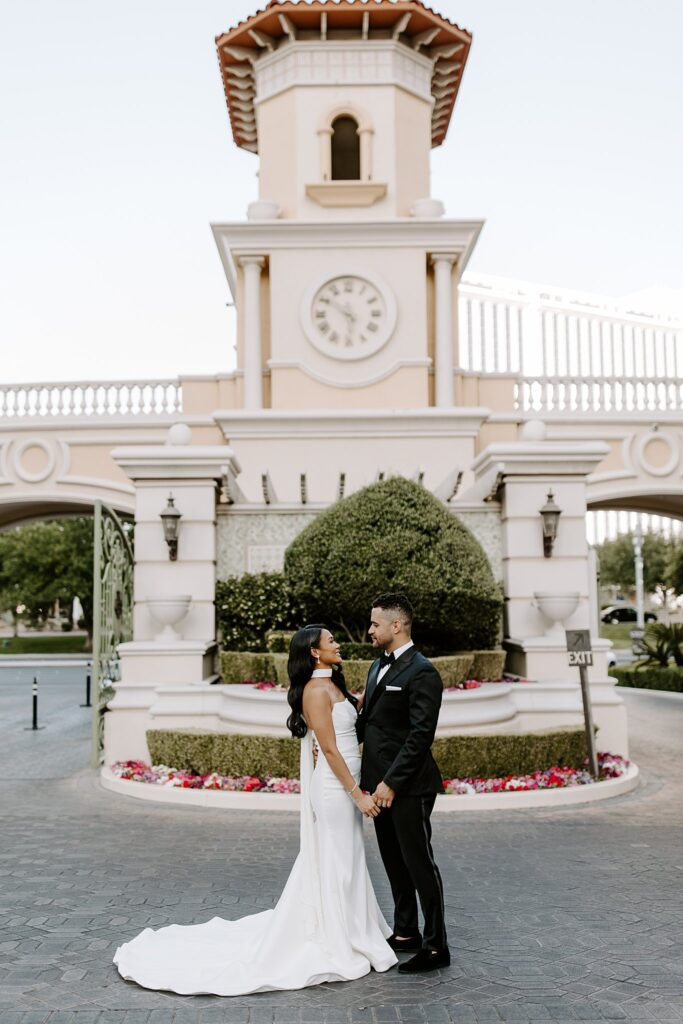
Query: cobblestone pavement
x,y
553,916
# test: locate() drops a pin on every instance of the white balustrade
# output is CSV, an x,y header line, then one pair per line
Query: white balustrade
x,y
91,399
569,351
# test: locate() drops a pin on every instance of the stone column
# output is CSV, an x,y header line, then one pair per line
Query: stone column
x,y
365,135
253,370
443,328
160,666
545,596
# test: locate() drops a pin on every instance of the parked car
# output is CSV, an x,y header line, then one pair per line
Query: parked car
x,y
624,613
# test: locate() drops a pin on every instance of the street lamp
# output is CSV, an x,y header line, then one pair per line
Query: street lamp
x,y
170,519
550,514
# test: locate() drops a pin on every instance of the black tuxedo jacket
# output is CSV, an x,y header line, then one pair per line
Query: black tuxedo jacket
x,y
397,726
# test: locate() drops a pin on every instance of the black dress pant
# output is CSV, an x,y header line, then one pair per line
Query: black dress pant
x,y
404,837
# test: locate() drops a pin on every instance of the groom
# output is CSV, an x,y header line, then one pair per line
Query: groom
x,y
396,725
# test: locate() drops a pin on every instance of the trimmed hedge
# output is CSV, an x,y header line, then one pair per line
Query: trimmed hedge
x,y
650,678
357,652
487,665
278,640
489,757
396,536
226,753
454,668
245,666
248,666
457,756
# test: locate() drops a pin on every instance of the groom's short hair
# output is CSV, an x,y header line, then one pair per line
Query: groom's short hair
x,y
397,604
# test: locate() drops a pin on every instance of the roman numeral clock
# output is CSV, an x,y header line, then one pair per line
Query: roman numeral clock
x,y
349,316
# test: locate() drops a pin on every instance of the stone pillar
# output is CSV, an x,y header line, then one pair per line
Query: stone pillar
x,y
365,141
443,329
184,656
253,370
545,596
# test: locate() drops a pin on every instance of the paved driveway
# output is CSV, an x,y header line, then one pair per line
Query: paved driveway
x,y
553,915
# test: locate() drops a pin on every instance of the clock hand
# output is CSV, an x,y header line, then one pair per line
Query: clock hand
x,y
344,310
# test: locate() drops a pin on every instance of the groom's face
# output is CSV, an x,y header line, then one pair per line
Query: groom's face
x,y
381,630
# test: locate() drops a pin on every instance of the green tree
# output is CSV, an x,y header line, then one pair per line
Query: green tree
x,y
41,563
617,566
392,536
675,567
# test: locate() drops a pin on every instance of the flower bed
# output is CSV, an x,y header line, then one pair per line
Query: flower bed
x,y
611,766
162,775
467,684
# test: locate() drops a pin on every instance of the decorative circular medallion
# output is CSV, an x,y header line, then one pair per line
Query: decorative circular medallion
x,y
349,316
34,460
658,452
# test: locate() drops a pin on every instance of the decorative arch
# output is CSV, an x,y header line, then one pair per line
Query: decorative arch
x,y
334,130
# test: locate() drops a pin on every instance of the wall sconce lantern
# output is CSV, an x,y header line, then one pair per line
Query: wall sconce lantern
x,y
170,519
550,514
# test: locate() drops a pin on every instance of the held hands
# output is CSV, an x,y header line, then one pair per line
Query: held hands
x,y
383,795
366,804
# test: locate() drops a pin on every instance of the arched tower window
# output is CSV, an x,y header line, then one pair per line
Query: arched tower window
x,y
345,144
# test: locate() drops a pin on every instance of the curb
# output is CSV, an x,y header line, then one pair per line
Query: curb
x,y
644,692
44,660
568,797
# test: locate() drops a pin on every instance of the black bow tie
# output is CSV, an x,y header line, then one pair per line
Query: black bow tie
x,y
386,659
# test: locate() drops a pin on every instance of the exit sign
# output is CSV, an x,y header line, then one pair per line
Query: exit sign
x,y
579,647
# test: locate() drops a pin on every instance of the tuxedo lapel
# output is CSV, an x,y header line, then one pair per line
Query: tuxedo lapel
x,y
371,683
390,676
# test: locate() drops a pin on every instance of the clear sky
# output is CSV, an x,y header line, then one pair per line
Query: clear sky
x,y
117,155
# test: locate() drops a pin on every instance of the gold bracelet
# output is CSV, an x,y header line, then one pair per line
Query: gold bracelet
x,y
352,791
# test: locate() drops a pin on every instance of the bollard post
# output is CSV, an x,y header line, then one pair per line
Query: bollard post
x,y
34,727
88,681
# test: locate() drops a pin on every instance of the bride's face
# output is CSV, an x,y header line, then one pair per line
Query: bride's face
x,y
327,651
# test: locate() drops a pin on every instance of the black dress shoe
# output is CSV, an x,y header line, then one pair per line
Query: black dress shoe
x,y
426,960
405,944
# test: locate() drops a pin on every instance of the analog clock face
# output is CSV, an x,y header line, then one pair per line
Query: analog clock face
x,y
350,317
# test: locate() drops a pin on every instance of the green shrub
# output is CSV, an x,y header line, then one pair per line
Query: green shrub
x,y
654,647
487,665
351,651
661,642
461,757
453,669
247,607
457,756
247,667
650,677
356,675
226,753
390,536
280,663
278,640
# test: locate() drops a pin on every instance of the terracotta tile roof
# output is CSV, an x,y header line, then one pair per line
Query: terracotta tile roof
x,y
411,21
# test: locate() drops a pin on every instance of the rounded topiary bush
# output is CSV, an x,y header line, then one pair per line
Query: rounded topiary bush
x,y
395,535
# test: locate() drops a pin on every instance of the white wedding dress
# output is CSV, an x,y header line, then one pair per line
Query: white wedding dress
x,y
326,926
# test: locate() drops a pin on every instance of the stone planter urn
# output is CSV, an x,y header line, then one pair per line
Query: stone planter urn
x,y
556,608
168,612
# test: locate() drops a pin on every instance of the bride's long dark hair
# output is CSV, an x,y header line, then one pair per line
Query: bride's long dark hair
x,y
300,668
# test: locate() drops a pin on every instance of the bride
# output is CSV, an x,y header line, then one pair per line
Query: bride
x,y
327,925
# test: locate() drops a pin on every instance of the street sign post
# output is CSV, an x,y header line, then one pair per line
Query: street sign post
x,y
581,656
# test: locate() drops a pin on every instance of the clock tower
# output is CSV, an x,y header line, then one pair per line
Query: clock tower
x,y
345,272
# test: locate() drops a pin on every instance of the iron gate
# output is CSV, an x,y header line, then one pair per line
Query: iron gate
x,y
112,613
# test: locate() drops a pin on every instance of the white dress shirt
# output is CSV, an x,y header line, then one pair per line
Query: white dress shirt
x,y
397,654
